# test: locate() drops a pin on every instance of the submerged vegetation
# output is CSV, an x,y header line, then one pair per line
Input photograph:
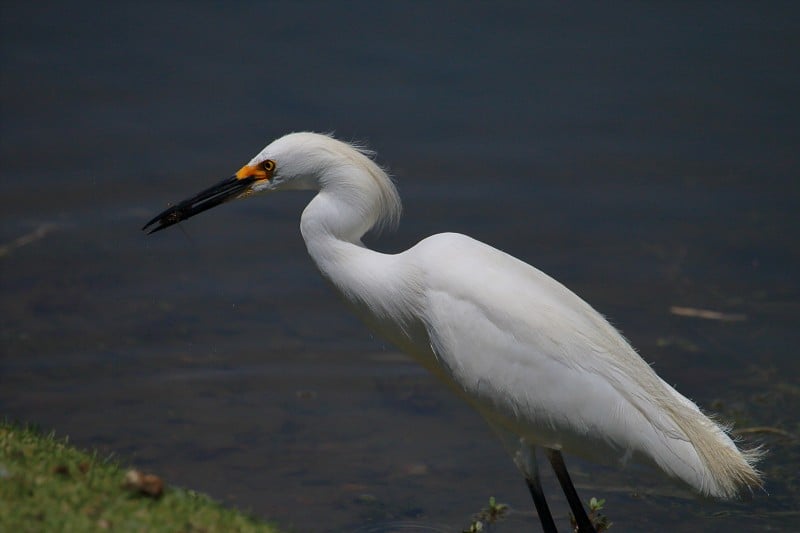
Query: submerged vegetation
x,y
48,485
600,522
495,512
489,515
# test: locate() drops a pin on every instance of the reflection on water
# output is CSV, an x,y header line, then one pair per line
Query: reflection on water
x,y
645,157
397,527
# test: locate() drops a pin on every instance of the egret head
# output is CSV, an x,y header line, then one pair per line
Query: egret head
x,y
294,162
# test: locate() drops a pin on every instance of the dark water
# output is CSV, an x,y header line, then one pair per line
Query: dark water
x,y
645,155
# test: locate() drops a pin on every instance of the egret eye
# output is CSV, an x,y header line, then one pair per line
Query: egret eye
x,y
268,165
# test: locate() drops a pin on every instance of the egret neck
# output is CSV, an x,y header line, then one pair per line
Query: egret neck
x,y
376,286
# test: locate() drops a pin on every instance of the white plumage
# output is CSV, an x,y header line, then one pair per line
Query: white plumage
x,y
543,367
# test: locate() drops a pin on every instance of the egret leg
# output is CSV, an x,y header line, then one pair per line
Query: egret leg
x,y
548,525
560,468
524,455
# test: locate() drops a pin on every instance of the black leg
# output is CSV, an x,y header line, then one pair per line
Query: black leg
x,y
541,505
557,462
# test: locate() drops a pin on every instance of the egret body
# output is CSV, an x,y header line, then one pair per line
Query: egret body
x,y
543,367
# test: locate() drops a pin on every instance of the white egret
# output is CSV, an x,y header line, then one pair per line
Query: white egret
x,y
543,367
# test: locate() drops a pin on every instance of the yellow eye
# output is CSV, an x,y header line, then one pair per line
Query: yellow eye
x,y
268,165
261,171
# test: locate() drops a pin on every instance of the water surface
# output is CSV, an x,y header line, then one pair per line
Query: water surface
x,y
646,156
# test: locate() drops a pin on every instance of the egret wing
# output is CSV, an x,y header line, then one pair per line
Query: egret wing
x,y
534,357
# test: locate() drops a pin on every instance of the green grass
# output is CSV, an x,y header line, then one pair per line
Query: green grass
x,y
48,485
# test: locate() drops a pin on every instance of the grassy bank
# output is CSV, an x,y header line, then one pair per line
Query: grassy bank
x,y
48,485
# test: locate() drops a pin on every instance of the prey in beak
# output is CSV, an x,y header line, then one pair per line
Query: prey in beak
x,y
228,189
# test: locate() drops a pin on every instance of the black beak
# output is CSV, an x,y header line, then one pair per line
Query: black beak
x,y
223,191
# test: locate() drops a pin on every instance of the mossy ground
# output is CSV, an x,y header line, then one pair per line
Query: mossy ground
x,y
48,485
